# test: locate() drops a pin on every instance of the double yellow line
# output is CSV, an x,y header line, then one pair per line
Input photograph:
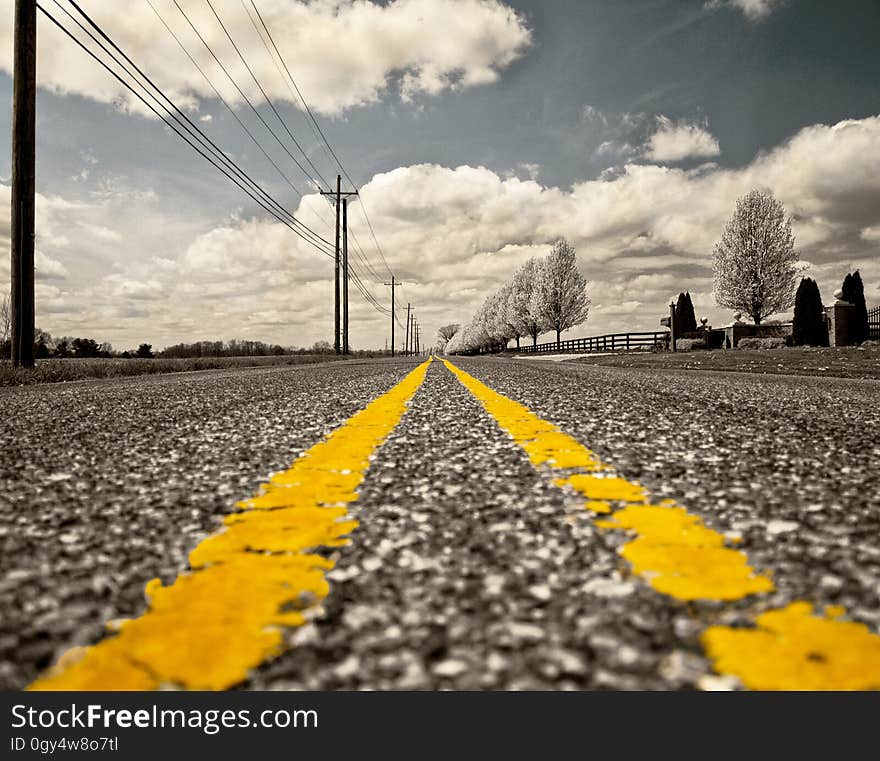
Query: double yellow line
x,y
251,580
257,577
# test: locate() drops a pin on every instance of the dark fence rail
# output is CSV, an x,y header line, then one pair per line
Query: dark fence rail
x,y
610,342
874,324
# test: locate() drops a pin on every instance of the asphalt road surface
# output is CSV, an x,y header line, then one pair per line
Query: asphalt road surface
x,y
470,568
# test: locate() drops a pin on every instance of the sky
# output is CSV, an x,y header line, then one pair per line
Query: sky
x,y
478,131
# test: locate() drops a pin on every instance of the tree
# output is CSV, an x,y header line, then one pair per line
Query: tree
x,y
810,328
560,295
321,347
497,319
754,262
85,347
685,319
62,347
5,318
5,327
145,351
446,334
524,312
41,348
854,292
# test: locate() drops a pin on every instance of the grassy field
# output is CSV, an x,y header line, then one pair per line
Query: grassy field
x,y
60,370
849,362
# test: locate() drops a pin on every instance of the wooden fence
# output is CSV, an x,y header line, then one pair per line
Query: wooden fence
x,y
610,342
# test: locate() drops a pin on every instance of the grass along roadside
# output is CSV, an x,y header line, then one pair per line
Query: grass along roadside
x,y
845,362
61,370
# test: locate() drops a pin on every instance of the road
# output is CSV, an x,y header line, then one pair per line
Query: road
x,y
470,567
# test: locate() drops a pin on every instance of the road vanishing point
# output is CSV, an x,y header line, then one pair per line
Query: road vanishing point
x,y
471,523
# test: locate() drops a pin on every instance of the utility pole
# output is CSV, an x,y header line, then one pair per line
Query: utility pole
x,y
392,284
345,276
406,349
336,273
417,340
337,197
24,107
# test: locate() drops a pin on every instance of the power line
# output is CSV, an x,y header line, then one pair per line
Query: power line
x,y
302,99
222,99
265,96
359,284
230,109
278,68
212,157
184,127
240,91
177,114
324,138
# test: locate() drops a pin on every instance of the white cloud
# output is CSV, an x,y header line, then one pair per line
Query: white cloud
x,y
457,233
100,232
677,141
754,10
47,268
343,53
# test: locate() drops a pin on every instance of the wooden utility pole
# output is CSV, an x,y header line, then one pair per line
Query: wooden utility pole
x,y
337,197
336,273
392,284
417,340
408,309
345,349
24,107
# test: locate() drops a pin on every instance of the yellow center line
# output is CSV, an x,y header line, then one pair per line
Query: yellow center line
x,y
249,581
678,555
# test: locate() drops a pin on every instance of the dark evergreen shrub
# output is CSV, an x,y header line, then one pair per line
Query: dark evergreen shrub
x,y
810,328
685,320
854,293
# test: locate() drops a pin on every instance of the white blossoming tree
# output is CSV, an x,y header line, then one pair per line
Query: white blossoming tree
x,y
519,301
560,293
754,263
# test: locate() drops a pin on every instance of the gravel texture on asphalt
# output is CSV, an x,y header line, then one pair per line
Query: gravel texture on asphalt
x,y
792,465
469,569
472,571
105,485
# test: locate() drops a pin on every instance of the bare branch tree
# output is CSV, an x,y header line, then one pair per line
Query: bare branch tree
x,y
5,318
754,262
447,332
560,295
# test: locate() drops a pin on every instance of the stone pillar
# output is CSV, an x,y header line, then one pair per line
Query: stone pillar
x,y
736,330
840,316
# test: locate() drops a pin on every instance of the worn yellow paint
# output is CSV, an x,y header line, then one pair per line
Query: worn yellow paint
x,y
794,649
672,549
683,558
251,580
605,488
678,555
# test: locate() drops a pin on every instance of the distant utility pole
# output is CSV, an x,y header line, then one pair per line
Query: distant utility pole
x,y
24,108
408,319
392,284
345,348
337,196
417,341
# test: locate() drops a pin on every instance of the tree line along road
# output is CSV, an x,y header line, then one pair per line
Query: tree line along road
x,y
512,525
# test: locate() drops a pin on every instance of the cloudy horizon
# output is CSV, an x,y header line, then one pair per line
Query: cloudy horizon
x,y
479,133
